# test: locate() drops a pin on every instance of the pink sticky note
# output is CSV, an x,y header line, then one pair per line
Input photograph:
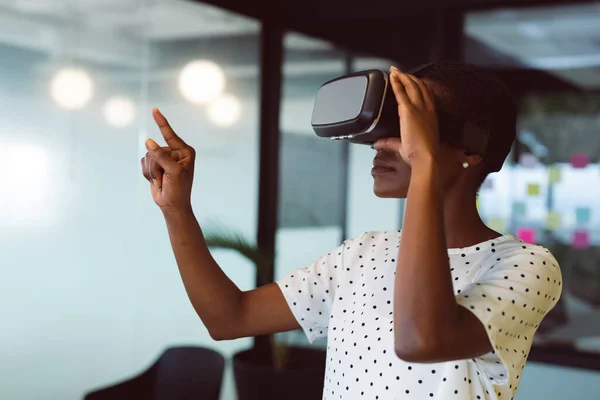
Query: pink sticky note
x,y
526,234
580,239
579,160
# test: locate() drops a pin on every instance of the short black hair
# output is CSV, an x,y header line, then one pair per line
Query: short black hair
x,y
467,93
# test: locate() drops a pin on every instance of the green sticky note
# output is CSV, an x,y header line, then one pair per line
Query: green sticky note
x,y
497,224
553,220
533,189
554,174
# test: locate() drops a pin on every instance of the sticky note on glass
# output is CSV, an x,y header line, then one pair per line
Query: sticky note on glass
x,y
528,160
582,215
526,234
518,209
580,239
554,174
533,189
579,160
497,224
553,220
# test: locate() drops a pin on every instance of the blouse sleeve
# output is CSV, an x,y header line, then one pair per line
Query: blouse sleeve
x,y
511,297
310,292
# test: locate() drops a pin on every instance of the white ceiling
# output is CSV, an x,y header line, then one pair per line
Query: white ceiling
x,y
144,19
113,32
557,39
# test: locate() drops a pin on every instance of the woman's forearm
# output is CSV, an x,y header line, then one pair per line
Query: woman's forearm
x,y
216,299
424,304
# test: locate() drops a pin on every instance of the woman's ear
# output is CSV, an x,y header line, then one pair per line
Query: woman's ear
x,y
472,159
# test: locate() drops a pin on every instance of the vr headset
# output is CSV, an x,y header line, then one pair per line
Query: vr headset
x,y
361,108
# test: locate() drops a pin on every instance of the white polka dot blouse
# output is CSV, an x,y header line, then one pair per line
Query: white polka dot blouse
x,y
347,296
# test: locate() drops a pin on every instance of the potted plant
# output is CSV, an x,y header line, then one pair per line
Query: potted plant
x,y
270,369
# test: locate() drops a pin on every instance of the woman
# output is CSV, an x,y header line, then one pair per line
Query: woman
x,y
446,309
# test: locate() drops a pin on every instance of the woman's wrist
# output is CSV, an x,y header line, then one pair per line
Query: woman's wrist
x,y
424,162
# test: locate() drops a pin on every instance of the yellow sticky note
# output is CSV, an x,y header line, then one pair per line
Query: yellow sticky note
x,y
552,220
554,174
497,224
533,189
477,203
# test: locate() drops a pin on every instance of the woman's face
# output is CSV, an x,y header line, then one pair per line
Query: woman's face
x,y
391,175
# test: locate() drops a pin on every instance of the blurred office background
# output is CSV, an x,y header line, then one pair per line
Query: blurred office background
x,y
89,289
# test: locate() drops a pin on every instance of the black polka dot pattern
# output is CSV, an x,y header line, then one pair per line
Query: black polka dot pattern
x,y
511,301
347,295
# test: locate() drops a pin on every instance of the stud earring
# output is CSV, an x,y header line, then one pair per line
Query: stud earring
x,y
465,164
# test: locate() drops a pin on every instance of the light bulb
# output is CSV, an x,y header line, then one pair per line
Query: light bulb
x,y
224,111
201,81
119,111
72,88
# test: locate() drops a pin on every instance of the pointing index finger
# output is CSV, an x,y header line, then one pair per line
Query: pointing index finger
x,y
174,141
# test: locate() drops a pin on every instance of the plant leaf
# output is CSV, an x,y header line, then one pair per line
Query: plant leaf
x,y
225,238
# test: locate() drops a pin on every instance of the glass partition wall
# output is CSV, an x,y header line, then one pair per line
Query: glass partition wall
x,y
90,292
548,192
